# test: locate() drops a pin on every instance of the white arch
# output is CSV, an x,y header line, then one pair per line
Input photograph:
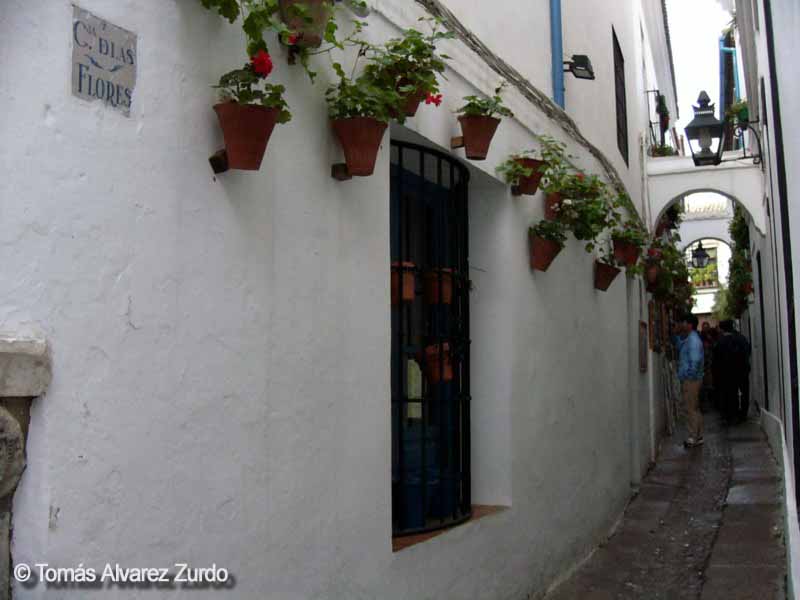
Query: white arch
x,y
671,178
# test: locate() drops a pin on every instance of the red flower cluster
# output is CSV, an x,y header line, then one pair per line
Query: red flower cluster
x,y
654,253
291,39
580,176
433,99
262,63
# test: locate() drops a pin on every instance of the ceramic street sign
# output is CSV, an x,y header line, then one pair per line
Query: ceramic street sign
x,y
103,61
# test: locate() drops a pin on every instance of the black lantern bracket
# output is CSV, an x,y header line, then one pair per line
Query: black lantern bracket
x,y
739,130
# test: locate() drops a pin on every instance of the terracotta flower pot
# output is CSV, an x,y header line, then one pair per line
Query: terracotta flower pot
x,y
246,129
542,251
360,138
552,202
309,30
432,292
529,185
413,99
626,253
603,275
402,272
478,132
438,362
651,274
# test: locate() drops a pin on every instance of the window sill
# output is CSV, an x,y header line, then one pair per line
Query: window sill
x,y
479,511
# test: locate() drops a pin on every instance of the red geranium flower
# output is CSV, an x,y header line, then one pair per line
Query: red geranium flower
x,y
579,176
291,39
433,99
262,63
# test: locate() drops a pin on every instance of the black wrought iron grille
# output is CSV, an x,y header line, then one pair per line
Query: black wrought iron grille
x,y
430,340
621,101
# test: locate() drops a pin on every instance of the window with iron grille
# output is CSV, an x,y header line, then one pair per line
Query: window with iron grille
x,y
622,105
430,340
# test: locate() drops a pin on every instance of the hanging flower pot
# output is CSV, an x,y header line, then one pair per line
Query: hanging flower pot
x,y
403,287
246,129
412,102
604,274
626,252
436,293
478,132
651,273
439,366
542,252
663,121
530,184
360,138
552,202
309,25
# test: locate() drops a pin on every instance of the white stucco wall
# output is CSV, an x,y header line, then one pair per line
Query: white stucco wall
x,y
221,346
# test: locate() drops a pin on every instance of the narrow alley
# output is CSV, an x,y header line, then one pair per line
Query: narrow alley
x,y
707,523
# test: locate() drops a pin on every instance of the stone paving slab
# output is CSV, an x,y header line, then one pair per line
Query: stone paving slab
x,y
754,493
707,524
744,583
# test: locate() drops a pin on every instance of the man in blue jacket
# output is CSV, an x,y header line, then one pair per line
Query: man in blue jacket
x,y
690,374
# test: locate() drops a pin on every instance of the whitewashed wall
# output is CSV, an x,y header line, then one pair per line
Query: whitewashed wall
x,y
221,346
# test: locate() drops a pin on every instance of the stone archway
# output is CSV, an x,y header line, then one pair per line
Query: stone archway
x,y
672,178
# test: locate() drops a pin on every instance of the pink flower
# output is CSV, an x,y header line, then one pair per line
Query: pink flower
x,y
433,99
262,63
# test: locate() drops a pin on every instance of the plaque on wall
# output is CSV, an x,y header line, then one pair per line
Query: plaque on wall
x,y
103,61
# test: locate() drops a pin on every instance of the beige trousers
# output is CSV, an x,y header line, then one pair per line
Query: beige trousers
x,y
694,418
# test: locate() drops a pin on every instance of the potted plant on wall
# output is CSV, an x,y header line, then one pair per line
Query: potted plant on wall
x,y
605,269
557,171
738,112
652,267
522,172
306,20
411,65
478,123
628,239
359,110
248,110
546,238
584,209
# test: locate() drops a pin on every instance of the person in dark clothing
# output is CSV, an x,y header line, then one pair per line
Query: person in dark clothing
x,y
732,373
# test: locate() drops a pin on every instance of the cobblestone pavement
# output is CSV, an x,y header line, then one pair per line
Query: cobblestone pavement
x,y
707,524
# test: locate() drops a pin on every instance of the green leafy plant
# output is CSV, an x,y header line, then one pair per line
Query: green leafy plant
x,y
262,16
361,97
631,232
739,111
482,106
410,63
663,150
674,215
551,230
247,86
557,167
586,215
740,278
